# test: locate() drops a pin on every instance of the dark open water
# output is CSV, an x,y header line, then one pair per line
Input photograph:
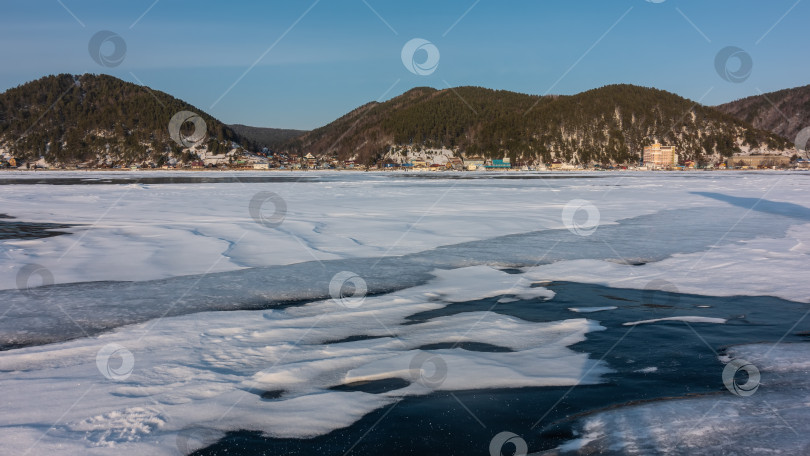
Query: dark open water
x,y
685,356
11,228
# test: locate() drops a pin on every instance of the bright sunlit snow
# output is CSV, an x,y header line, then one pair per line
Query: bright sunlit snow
x,y
210,369
215,310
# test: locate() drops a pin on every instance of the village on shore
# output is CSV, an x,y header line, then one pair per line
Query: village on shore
x,y
656,157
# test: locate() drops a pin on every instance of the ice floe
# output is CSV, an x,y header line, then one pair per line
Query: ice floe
x,y
686,318
591,309
774,420
210,370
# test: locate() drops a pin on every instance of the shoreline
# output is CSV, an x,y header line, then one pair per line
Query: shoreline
x,y
501,171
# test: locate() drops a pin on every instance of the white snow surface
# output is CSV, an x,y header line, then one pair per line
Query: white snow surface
x,y
206,371
152,231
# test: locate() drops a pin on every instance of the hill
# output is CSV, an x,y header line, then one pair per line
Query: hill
x,y
257,138
785,112
609,124
99,119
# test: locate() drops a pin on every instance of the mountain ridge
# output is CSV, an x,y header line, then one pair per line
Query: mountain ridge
x,y
102,119
608,124
785,112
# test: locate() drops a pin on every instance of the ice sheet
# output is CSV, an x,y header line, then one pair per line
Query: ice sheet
x,y
155,231
725,237
208,370
191,250
761,266
774,420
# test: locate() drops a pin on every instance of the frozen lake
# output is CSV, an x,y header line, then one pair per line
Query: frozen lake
x,y
394,313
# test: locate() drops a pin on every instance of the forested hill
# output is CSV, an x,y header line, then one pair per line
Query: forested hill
x,y
73,119
96,118
609,124
785,112
260,137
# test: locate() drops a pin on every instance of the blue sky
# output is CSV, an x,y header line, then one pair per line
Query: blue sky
x,y
324,58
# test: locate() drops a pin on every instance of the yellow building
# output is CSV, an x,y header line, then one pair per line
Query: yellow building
x,y
419,165
658,156
758,161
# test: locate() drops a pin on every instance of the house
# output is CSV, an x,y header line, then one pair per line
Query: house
x,y
311,161
455,163
419,165
500,164
261,166
471,163
556,164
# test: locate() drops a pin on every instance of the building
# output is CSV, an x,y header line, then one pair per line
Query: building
x,y
660,157
473,162
758,161
419,165
261,166
455,163
500,164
